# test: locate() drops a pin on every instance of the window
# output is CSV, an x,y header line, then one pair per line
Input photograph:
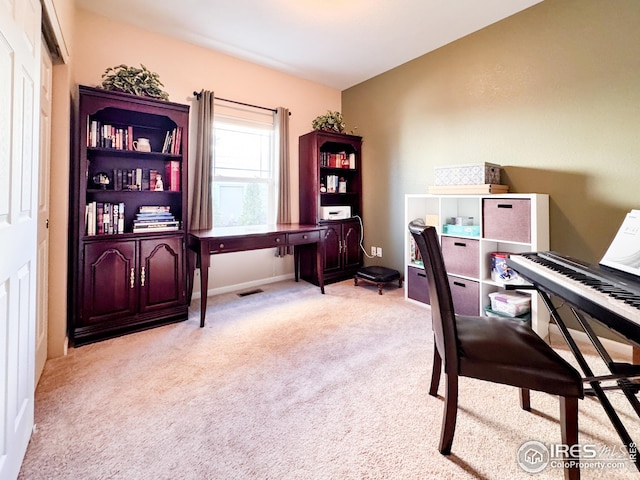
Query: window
x,y
244,166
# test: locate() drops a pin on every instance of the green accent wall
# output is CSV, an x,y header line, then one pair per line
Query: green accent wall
x,y
552,94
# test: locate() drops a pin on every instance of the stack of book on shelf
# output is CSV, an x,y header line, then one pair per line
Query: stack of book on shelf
x,y
155,218
103,218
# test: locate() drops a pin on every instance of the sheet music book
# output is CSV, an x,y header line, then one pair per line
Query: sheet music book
x,y
624,252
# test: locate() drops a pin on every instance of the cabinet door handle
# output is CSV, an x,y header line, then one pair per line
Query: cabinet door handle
x,y
132,278
142,277
458,284
505,205
422,275
459,244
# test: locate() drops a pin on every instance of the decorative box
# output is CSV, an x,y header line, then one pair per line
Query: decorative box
x,y
471,174
500,271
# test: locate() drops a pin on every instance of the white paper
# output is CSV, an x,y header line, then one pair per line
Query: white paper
x,y
624,252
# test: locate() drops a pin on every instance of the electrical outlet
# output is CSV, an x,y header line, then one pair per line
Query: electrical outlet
x,y
378,251
373,251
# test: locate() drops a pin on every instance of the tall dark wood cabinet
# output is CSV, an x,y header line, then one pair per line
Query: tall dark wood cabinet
x,y
128,215
330,180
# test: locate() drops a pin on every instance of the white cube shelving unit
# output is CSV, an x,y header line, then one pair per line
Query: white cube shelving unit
x,y
513,223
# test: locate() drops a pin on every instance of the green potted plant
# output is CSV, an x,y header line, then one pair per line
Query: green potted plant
x,y
137,81
331,122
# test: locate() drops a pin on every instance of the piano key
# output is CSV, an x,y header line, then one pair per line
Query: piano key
x,y
610,295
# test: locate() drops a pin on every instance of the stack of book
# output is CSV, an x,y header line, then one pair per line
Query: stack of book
x,y
155,218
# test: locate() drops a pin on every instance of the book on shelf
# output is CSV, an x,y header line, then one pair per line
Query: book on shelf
x,y
154,209
338,160
101,135
156,227
104,218
141,179
172,176
172,141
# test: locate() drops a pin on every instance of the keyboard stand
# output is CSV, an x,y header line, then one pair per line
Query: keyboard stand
x,y
621,373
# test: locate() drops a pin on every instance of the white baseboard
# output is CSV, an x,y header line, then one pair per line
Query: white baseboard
x,y
244,285
617,350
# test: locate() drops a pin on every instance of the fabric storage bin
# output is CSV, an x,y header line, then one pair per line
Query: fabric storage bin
x,y
417,285
471,174
507,219
465,295
461,256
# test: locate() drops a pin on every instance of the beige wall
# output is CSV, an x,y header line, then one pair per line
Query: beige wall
x,y
184,68
552,94
96,43
59,191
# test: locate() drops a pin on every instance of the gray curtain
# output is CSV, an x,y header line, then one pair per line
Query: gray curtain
x,y
284,195
202,205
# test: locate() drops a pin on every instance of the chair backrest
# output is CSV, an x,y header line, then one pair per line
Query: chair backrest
x,y
442,312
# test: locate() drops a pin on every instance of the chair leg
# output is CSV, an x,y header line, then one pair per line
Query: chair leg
x,y
525,399
450,413
435,373
569,430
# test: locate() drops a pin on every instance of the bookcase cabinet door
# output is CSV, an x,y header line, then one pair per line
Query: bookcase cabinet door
x,y
161,277
332,248
352,259
109,291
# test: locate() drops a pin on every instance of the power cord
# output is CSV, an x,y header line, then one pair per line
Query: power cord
x,y
362,238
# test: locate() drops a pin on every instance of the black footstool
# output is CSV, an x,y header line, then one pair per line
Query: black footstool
x,y
378,275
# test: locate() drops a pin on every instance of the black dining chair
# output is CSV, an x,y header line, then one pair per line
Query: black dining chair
x,y
498,350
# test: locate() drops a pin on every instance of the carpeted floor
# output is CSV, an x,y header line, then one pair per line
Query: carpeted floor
x,y
286,384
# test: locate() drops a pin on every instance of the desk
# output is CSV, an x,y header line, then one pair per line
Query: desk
x,y
203,243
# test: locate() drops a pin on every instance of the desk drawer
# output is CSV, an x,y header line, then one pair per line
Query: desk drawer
x,y
237,244
303,237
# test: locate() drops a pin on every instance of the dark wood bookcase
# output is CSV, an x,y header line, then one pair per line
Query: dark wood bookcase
x,y
322,156
121,281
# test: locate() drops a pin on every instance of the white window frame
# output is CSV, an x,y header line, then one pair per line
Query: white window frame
x,y
249,118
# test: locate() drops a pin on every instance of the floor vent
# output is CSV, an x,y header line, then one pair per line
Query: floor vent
x,y
250,292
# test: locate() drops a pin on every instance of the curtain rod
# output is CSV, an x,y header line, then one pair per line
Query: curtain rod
x,y
198,95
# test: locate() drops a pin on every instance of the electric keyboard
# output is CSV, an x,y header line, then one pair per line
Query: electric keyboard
x,y
609,297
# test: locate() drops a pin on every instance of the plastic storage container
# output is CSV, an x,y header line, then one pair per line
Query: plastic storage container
x,y
511,304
